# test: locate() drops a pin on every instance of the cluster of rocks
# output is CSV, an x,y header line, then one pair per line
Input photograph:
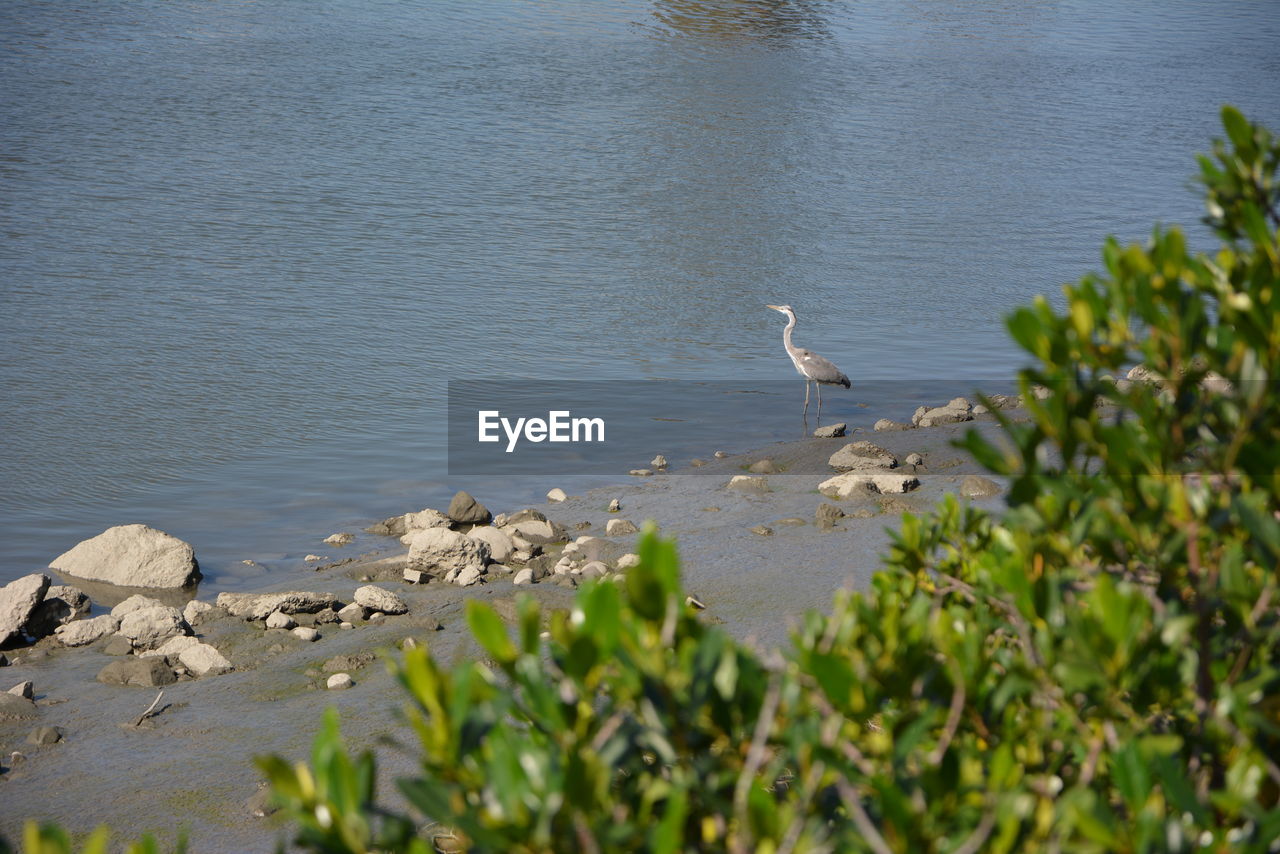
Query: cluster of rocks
x,y
300,612
954,411
466,545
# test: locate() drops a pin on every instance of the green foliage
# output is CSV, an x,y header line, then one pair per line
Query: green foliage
x,y
52,839
1095,669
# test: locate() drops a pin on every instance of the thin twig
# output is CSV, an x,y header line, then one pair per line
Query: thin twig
x,y
953,721
149,710
976,839
860,818
755,754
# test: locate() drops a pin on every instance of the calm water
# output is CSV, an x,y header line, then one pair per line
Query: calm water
x,y
247,243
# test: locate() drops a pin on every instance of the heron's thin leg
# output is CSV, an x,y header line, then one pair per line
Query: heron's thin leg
x,y
819,386
806,398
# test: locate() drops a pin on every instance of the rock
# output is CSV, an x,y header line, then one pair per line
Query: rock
x,y
534,531
196,612
306,633
172,648
915,460
325,615
340,539
262,802
18,599
313,558
720,455
468,576
522,516
697,463
500,544
885,425
950,414
15,708
557,495
1215,383
440,551
339,681
959,403
280,620
202,659
762,531
790,522
421,521
24,689
594,569
1039,392
144,672
861,483
974,486
118,645
380,599
765,466
61,605
1004,401
135,602
614,505
860,456
147,627
658,462
416,576
351,613
4,660
258,606
467,511
831,431
620,528
45,735
524,576
132,556
827,515
980,410
628,561
747,483
641,472
81,632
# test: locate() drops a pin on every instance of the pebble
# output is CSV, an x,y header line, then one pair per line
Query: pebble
x,y
641,472
339,681
831,431
415,576
24,689
557,495
280,620
765,466
345,625
762,530
524,576
615,505
974,486
720,455
351,613
748,483
658,462
915,460
45,735
697,463
620,528
313,558
628,561
340,539
306,633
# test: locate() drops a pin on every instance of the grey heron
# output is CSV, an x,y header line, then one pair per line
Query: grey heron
x,y
811,366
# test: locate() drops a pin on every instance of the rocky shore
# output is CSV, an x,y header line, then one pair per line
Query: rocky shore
x,y
138,703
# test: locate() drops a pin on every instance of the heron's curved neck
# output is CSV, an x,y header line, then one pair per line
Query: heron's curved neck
x,y
786,333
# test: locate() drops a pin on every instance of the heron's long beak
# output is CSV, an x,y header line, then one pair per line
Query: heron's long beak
x,y
774,307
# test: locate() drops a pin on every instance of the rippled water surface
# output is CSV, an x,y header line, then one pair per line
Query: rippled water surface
x,y
246,244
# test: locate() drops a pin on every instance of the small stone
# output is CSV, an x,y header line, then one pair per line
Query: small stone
x,y
594,569
468,576
620,528
720,455
860,456
827,515
628,561
118,645
24,689
861,483
351,613
345,625
196,612
765,466
376,598
615,505
557,495
980,410
313,558
762,530
203,659
171,648
791,522
915,460
748,483
339,681
4,660
280,620
658,462
306,633
831,431
415,576
15,708
18,600
262,803
45,735
143,672
885,425
135,602
340,539
697,463
641,472
377,617
974,486
81,632
467,511
147,627
524,576
325,615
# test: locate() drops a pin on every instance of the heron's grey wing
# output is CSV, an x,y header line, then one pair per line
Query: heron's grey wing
x,y
817,368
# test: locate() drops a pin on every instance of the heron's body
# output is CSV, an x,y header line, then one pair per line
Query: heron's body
x,y
809,364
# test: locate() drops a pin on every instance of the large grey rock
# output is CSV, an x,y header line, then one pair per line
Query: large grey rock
x,y
201,659
535,531
145,672
132,556
467,511
81,632
439,551
852,484
831,431
149,627
351,613
467,576
25,688
172,648
860,456
61,605
15,708
411,523
18,599
500,545
380,599
136,602
258,606
524,576
954,412
196,612
44,735
280,620
748,483
975,486
620,527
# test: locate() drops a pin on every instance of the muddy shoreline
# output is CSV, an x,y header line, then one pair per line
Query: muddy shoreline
x,y
757,559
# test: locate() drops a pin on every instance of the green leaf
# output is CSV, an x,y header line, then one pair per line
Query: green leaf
x,y
490,631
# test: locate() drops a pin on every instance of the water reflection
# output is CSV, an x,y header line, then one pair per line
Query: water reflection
x,y
731,19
